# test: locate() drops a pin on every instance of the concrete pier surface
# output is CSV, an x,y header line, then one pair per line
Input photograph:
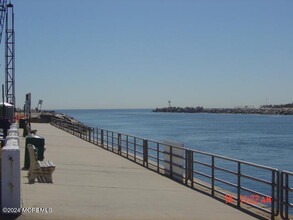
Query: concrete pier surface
x,y
93,183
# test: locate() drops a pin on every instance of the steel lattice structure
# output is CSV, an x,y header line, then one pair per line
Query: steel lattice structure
x,y
3,6
10,56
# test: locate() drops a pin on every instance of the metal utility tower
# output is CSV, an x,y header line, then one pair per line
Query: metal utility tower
x,y
3,5
10,56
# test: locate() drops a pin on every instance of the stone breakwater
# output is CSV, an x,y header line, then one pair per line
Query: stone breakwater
x,y
47,116
262,111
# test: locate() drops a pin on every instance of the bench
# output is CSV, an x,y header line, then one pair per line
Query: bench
x,y
42,170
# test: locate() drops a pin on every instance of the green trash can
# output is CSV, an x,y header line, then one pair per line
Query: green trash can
x,y
39,143
22,122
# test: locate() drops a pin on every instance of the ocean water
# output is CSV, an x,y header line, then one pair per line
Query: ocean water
x,y
261,139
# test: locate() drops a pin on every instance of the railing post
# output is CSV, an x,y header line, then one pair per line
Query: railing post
x,y
213,175
171,161
281,198
145,153
278,193
119,143
238,183
186,167
102,137
287,195
127,146
90,134
112,142
158,157
134,147
273,195
191,169
94,134
107,140
97,136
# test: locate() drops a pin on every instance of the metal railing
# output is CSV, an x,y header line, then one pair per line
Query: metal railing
x,y
245,185
286,201
220,166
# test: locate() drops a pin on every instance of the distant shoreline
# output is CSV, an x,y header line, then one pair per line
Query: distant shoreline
x,y
245,110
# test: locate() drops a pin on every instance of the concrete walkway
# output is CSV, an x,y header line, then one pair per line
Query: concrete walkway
x,y
92,183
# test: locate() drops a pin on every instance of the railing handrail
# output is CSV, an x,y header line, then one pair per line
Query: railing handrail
x,y
287,172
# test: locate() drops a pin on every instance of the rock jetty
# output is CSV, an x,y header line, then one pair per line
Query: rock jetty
x,y
46,117
263,110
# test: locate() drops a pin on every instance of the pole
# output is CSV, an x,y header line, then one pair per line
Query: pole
x,y
3,110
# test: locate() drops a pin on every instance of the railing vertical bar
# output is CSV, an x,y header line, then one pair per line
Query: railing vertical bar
x,y
213,175
112,144
134,149
127,146
107,140
145,153
287,195
97,136
94,136
278,193
191,171
273,195
171,161
281,194
158,157
102,138
119,143
238,183
186,167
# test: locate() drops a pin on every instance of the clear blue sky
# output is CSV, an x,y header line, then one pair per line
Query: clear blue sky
x,y
142,53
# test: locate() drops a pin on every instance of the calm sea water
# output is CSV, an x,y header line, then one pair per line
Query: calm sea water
x,y
261,139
